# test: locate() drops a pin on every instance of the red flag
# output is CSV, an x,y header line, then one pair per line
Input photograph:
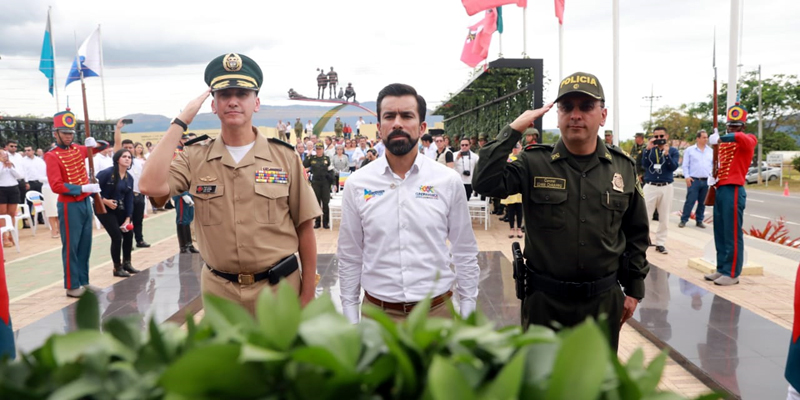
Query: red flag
x,y
476,46
560,11
475,6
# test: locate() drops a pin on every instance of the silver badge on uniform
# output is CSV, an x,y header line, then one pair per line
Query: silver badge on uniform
x,y
617,183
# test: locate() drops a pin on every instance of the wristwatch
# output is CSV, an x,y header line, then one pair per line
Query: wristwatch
x,y
180,123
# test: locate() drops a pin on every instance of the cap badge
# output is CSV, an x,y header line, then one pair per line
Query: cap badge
x,y
232,62
575,86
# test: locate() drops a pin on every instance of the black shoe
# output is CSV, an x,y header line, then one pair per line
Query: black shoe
x,y
126,265
701,225
142,244
662,250
184,250
190,249
681,224
316,225
326,226
118,271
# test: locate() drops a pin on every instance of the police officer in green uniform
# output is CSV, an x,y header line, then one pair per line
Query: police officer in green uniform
x,y
338,127
636,153
587,228
298,129
321,180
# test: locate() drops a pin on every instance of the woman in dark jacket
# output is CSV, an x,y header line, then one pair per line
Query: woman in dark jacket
x,y
116,189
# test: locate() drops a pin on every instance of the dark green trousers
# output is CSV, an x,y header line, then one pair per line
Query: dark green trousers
x,y
540,308
323,192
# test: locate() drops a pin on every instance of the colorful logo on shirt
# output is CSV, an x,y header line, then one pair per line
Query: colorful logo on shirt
x,y
370,194
427,192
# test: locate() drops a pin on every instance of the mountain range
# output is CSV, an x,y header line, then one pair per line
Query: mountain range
x,y
267,116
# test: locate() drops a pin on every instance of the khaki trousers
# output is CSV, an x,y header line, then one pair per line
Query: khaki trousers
x,y
659,198
246,295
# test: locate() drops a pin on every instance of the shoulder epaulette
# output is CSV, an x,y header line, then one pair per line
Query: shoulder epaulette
x,y
280,142
539,146
196,140
619,151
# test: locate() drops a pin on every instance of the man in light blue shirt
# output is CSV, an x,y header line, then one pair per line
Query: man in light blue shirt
x,y
697,164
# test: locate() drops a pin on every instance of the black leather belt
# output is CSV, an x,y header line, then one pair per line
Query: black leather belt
x,y
572,290
659,183
700,179
282,269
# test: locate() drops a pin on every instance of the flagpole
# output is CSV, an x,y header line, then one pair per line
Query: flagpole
x,y
525,32
99,207
615,12
560,51
500,53
53,46
102,73
733,52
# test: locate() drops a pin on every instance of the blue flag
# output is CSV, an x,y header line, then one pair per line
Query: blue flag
x,y
89,55
500,20
47,64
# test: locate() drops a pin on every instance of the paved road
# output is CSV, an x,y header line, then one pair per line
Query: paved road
x,y
761,207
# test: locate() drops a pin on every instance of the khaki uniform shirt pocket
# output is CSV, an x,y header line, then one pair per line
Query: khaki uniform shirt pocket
x,y
210,206
272,201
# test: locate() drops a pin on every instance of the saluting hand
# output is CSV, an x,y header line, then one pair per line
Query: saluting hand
x,y
191,109
525,120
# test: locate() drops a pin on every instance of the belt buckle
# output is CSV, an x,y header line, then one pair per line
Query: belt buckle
x,y
407,307
247,279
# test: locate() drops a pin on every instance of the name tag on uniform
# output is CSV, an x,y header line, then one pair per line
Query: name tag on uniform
x,y
546,182
206,189
272,175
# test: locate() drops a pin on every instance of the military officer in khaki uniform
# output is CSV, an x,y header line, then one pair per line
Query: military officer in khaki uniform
x,y
338,127
583,210
253,207
321,180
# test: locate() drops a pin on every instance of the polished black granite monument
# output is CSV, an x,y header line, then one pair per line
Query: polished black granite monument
x,y
729,348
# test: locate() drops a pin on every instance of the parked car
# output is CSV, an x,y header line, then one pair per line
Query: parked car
x,y
678,172
769,174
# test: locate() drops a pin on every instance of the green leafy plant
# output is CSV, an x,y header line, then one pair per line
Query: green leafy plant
x,y
286,352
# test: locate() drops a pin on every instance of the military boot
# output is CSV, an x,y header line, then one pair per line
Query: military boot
x,y
181,239
126,265
187,236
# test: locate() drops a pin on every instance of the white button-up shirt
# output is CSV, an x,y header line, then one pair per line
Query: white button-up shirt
x,y
394,234
34,169
697,163
136,172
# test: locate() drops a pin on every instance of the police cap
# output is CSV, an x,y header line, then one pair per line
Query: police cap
x,y
581,82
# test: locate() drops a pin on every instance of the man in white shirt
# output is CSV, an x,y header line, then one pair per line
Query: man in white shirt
x,y
464,164
360,153
398,213
358,125
309,128
380,147
35,172
697,163
16,158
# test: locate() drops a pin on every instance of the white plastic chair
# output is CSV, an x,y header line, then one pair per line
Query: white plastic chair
x,y
479,209
335,210
23,213
10,227
37,199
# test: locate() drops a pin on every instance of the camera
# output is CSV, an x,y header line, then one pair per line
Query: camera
x,y
660,142
464,153
466,173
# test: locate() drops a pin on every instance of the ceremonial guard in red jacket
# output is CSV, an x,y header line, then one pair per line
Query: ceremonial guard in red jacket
x,y
735,154
66,173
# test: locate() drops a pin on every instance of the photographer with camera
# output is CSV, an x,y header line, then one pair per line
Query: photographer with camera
x,y
659,160
465,162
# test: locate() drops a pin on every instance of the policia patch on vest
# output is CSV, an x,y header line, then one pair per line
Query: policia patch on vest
x,y
546,182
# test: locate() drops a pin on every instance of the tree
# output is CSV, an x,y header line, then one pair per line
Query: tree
x,y
780,106
682,123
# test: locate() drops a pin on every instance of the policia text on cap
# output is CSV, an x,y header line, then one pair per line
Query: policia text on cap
x,y
586,224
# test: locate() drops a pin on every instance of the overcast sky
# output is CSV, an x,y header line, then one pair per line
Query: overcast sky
x,y
156,51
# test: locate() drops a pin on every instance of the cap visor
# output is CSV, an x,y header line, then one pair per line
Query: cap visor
x,y
232,84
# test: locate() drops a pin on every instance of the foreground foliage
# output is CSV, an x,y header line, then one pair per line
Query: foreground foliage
x,y
314,353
